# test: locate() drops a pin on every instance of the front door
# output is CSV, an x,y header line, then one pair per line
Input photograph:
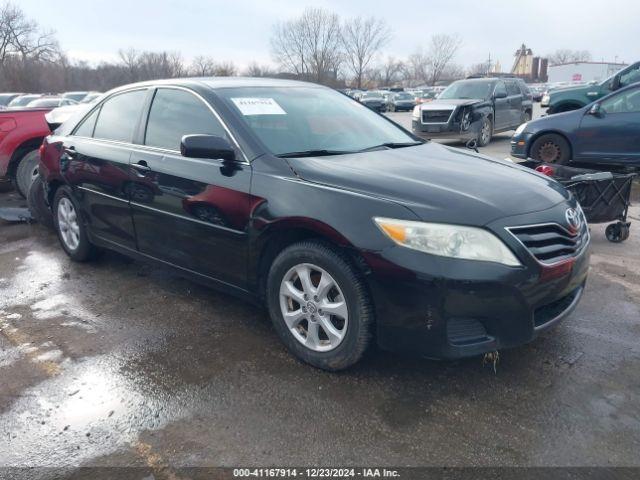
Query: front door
x,y
95,162
501,105
196,212
514,97
613,133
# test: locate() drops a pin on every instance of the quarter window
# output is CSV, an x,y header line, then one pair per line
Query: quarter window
x,y
86,127
119,116
175,113
632,76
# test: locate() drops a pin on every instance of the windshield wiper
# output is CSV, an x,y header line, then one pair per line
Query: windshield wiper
x,y
391,145
312,153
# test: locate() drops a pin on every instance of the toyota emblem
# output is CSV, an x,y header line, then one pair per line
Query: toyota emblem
x,y
573,219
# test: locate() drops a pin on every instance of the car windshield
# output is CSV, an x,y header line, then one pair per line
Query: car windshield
x,y
467,90
404,96
22,101
312,119
77,96
45,102
372,95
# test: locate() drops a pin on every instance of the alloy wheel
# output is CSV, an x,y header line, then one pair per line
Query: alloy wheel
x,y
68,224
314,307
549,152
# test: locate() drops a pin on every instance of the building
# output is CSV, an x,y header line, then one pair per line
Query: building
x,y
528,67
583,71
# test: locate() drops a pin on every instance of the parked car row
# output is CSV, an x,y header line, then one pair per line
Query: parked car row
x,y
13,101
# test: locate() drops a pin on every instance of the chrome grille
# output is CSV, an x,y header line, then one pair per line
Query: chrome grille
x,y
551,243
436,116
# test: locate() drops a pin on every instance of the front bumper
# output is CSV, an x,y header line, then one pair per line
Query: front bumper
x,y
520,145
444,130
448,308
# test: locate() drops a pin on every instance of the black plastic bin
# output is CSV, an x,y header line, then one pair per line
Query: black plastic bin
x,y
603,196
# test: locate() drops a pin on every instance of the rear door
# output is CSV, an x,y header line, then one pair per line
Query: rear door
x,y
514,97
613,135
502,110
189,212
95,162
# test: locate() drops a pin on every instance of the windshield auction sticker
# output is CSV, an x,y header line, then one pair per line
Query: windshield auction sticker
x,y
258,106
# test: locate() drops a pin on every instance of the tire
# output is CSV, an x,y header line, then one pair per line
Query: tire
x,y
26,172
341,339
526,117
617,232
486,132
551,148
84,250
37,205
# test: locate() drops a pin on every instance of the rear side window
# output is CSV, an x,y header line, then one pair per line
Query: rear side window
x,y
119,116
512,89
175,113
88,124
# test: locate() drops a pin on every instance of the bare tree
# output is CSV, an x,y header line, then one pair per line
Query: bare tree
x,y
417,68
391,71
203,66
362,39
257,70
442,49
23,37
225,69
309,46
565,55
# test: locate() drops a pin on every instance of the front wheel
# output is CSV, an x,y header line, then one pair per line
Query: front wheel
x,y
551,148
486,132
319,305
70,228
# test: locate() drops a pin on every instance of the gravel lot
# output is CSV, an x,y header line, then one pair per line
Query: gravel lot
x,y
117,363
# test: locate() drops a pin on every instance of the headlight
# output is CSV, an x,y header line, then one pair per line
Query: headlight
x,y
521,128
416,112
456,241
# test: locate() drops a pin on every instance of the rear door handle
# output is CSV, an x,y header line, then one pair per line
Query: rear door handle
x,y
141,166
70,152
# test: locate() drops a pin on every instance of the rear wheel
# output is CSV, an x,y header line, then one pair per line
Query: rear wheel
x,y
526,117
70,228
319,305
551,148
26,172
37,206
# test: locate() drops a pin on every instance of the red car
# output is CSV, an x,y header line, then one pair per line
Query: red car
x,y
21,134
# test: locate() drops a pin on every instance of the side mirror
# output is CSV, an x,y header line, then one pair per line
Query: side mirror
x,y
500,95
207,146
595,110
615,83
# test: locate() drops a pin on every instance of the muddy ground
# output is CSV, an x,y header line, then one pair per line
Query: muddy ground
x,y
116,363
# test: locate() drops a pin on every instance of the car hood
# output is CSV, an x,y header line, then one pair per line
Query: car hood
x,y
439,103
571,90
438,183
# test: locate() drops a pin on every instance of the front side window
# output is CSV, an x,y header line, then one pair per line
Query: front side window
x,y
304,119
632,76
625,102
175,113
500,88
512,89
119,116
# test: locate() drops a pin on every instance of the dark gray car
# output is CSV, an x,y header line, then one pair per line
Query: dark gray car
x,y
474,109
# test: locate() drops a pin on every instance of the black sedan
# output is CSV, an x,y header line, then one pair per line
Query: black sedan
x,y
350,229
605,132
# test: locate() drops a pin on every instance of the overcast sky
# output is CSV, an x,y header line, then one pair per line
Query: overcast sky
x,y
239,30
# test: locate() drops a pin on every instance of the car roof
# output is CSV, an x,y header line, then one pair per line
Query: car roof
x,y
224,82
